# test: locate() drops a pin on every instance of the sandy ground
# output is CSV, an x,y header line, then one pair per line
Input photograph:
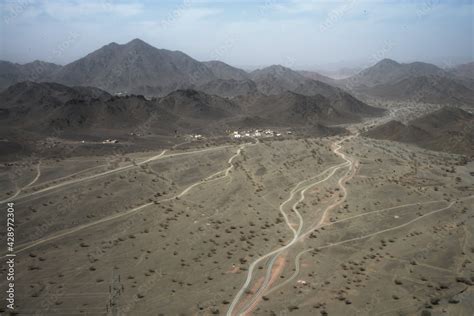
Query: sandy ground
x,y
338,226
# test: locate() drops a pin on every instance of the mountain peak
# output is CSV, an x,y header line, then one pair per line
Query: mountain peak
x,y
214,62
278,68
274,69
137,42
154,71
388,61
224,71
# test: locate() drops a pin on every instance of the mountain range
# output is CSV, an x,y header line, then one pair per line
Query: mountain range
x,y
33,112
389,71
425,89
139,68
104,93
11,73
417,82
118,88
40,106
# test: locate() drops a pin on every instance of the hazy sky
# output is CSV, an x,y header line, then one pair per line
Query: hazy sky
x,y
298,34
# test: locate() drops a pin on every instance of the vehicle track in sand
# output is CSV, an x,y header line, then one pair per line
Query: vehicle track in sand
x,y
296,232
38,174
211,178
113,171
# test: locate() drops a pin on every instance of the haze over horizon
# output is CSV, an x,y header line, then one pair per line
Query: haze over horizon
x,y
296,34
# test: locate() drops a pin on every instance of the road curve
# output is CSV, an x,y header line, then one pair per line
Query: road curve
x,y
38,174
119,169
348,162
296,233
298,256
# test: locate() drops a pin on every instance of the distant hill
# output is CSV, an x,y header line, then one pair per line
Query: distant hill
x,y
342,73
449,129
317,76
224,71
277,79
29,93
426,89
192,104
43,108
388,71
135,67
11,73
229,87
463,71
290,109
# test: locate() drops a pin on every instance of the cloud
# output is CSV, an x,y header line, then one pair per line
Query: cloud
x,y
180,17
305,6
66,9
246,32
196,14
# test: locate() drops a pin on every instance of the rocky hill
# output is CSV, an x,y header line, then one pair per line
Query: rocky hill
x,y
449,129
426,89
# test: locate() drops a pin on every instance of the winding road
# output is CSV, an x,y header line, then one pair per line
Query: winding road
x,y
241,305
296,232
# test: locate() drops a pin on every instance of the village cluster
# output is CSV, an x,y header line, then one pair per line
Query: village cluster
x,y
109,141
195,137
233,134
245,133
257,133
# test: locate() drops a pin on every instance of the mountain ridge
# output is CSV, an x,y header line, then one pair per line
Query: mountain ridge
x,y
426,89
448,129
389,71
